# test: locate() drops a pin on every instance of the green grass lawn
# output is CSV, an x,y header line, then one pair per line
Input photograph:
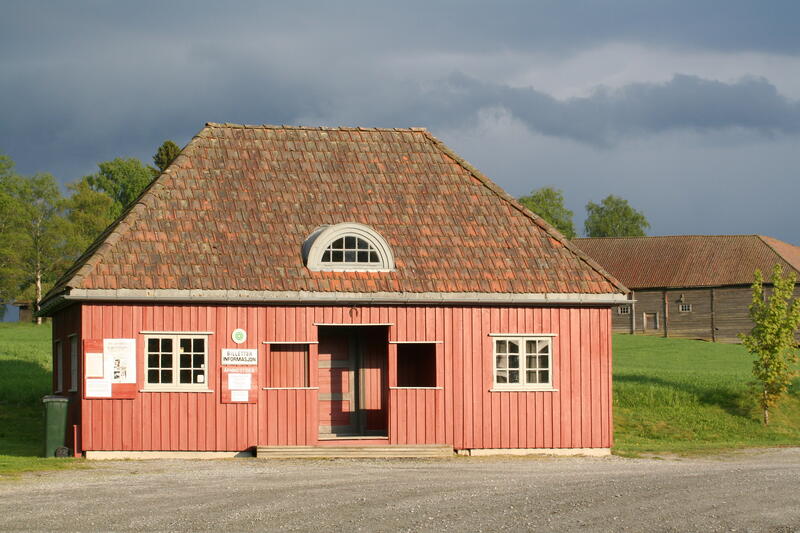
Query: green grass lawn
x,y
670,395
24,379
675,395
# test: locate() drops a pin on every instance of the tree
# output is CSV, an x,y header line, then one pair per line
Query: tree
x,y
122,180
166,154
548,203
41,247
89,213
614,217
11,217
772,339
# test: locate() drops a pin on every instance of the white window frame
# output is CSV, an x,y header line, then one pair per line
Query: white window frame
x,y
59,349
175,385
522,339
321,238
73,362
688,308
624,309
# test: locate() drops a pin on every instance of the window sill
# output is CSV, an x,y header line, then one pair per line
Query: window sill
x,y
177,389
289,388
541,389
72,390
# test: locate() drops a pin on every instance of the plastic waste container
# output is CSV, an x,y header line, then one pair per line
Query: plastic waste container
x,y
55,424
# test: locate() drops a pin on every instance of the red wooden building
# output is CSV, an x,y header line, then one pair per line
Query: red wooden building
x,y
283,287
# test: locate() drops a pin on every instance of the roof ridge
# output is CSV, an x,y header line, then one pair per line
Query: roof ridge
x,y
414,129
669,236
97,251
539,221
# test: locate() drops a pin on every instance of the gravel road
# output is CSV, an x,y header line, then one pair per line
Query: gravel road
x,y
757,490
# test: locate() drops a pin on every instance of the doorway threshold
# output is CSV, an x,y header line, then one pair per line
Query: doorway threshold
x,y
354,437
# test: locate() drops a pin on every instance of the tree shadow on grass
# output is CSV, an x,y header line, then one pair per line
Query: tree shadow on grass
x,y
22,385
733,403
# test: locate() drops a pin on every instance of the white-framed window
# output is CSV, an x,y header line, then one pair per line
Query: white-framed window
x,y
624,310
176,361
685,308
59,366
347,247
73,363
523,362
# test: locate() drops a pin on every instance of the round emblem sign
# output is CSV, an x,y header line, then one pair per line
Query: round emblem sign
x,y
239,335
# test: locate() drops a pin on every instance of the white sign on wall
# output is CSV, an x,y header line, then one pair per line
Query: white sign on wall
x,y
120,357
239,356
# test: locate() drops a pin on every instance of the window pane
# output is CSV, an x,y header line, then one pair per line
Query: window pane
x,y
152,376
337,257
350,243
543,363
513,346
186,360
198,360
544,347
501,361
199,376
166,376
530,361
363,257
513,361
199,345
373,257
166,345
186,345
513,376
349,257
531,376
152,360
501,347
502,376
186,376
338,243
326,257
362,244
530,346
166,360
152,345
544,376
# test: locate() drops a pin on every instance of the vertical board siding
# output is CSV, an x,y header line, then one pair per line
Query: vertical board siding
x,y
463,412
67,322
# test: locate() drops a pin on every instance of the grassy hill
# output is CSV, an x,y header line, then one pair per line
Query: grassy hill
x,y
670,395
683,395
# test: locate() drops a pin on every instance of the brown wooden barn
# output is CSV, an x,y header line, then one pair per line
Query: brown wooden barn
x,y
332,291
693,286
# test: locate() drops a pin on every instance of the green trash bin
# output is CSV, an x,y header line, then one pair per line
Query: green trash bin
x,y
55,425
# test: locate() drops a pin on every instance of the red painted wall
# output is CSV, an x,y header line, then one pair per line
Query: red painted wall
x,y
67,322
463,412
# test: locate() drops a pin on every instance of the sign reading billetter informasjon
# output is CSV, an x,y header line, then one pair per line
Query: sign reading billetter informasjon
x,y
239,356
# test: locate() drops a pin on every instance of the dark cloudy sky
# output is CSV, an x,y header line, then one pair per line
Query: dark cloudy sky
x,y
690,110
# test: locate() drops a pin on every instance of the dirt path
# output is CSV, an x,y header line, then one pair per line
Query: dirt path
x,y
752,491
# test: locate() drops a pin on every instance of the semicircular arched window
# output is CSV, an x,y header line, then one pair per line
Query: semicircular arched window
x,y
347,246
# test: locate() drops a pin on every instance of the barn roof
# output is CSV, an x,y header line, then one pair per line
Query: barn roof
x,y
227,220
690,260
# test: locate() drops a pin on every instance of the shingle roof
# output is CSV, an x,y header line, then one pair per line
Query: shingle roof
x,y
234,208
690,260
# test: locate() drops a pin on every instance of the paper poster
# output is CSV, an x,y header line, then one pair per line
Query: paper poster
x,y
98,388
120,360
94,365
237,356
240,395
239,382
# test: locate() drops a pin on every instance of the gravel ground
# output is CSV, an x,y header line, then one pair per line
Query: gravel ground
x,y
757,490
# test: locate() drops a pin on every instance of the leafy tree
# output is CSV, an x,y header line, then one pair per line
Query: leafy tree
x,y
548,203
11,217
41,247
614,217
122,180
89,213
166,154
772,339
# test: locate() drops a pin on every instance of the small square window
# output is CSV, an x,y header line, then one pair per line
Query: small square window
x,y
523,363
685,308
176,361
624,310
